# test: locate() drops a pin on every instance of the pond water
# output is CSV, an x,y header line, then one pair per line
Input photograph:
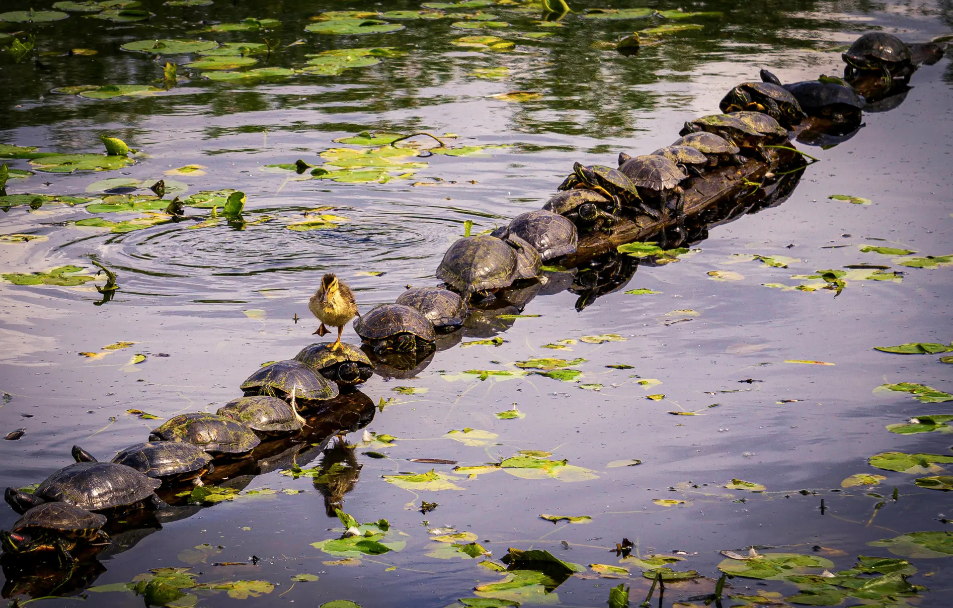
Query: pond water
x,y
781,381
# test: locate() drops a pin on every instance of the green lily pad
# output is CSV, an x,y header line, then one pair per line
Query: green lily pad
x,y
470,550
121,227
429,481
642,291
923,424
918,544
122,15
916,348
937,482
340,604
32,16
478,25
625,13
250,74
248,25
11,151
410,15
221,63
461,5
651,249
563,375
353,27
668,29
668,575
241,590
532,467
38,200
367,138
128,203
169,46
922,392
773,566
94,6
602,338
109,91
189,3
332,65
862,479
69,163
491,73
472,437
231,49
513,414
737,484
856,200
539,559
909,463
573,519
208,199
930,261
57,276
885,250
547,363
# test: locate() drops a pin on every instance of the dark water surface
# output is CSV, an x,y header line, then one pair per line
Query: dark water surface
x,y
208,305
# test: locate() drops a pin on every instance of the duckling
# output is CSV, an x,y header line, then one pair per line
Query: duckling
x,y
333,304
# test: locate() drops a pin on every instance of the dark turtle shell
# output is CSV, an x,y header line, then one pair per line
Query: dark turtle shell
x,y
550,234
707,143
770,90
814,95
210,432
280,378
653,172
570,200
478,263
878,46
719,123
442,307
165,459
96,486
528,260
61,517
389,320
262,413
762,123
683,155
346,366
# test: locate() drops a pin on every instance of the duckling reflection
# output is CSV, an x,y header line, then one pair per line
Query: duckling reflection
x,y
340,472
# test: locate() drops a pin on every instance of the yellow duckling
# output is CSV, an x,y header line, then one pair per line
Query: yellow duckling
x,y
333,304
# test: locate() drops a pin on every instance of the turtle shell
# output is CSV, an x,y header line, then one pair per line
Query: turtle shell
x,y
685,155
281,377
653,172
762,123
210,432
814,95
880,46
771,90
262,413
719,122
442,307
569,201
528,260
61,517
164,459
550,234
477,263
707,143
347,365
389,320
96,486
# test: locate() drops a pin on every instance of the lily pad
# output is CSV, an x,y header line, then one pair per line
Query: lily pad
x,y
923,424
862,479
460,5
353,27
430,481
32,16
128,203
539,559
737,484
94,6
774,566
625,13
250,74
937,482
69,163
38,200
916,348
63,276
491,73
241,590
668,575
885,250
121,227
919,544
531,467
909,463
547,363
930,261
573,519
221,63
122,15
641,291
922,392
208,199
230,49
169,46
512,414
725,275
111,91
247,25
189,3
410,15
856,200
600,339
472,437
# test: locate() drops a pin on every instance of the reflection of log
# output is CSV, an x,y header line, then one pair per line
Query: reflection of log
x,y
717,186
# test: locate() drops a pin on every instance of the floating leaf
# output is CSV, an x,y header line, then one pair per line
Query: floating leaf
x,y
862,479
909,463
242,590
642,291
124,226
533,467
235,48
725,275
668,575
916,348
409,390
919,544
139,413
923,424
209,495
929,261
430,481
602,338
32,16
169,46
563,375
737,484
937,482
648,382
539,559
247,25
472,437
352,27
69,163
611,13
35,201
807,362
497,341
773,566
547,363
885,250
623,463
491,73
573,519
922,392
668,502
221,63
518,96
850,199
513,414
272,72
199,554
657,397
57,276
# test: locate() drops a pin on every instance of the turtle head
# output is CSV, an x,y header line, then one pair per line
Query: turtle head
x,y
588,213
585,174
770,78
349,372
13,542
405,343
690,127
81,455
21,502
623,157
736,100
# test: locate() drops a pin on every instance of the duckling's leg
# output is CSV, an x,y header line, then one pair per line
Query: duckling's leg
x,y
337,343
322,330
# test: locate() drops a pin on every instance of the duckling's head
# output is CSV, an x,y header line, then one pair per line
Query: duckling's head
x,y
329,284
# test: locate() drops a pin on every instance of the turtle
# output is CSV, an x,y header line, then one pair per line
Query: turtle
x,y
346,366
827,97
283,379
167,461
657,179
442,307
54,526
717,149
478,263
549,233
766,97
94,486
263,414
585,208
878,52
610,182
214,434
396,328
737,128
690,160
528,260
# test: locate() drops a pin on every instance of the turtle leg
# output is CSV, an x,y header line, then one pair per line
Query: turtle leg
x,y
762,153
680,213
322,330
772,108
337,343
887,78
63,556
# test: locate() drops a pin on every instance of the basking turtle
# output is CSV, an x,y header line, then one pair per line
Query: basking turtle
x,y
827,97
478,263
94,486
766,97
610,182
442,307
528,260
657,179
396,328
733,128
549,233
54,526
585,208
263,414
281,378
346,366
769,128
717,149
878,52
165,460
690,160
214,434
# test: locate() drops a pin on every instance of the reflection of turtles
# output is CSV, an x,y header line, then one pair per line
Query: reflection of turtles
x,y
487,323
347,365
214,434
53,527
549,233
263,414
881,53
610,274
282,378
94,486
402,366
40,578
168,461
340,472
478,263
396,328
442,307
